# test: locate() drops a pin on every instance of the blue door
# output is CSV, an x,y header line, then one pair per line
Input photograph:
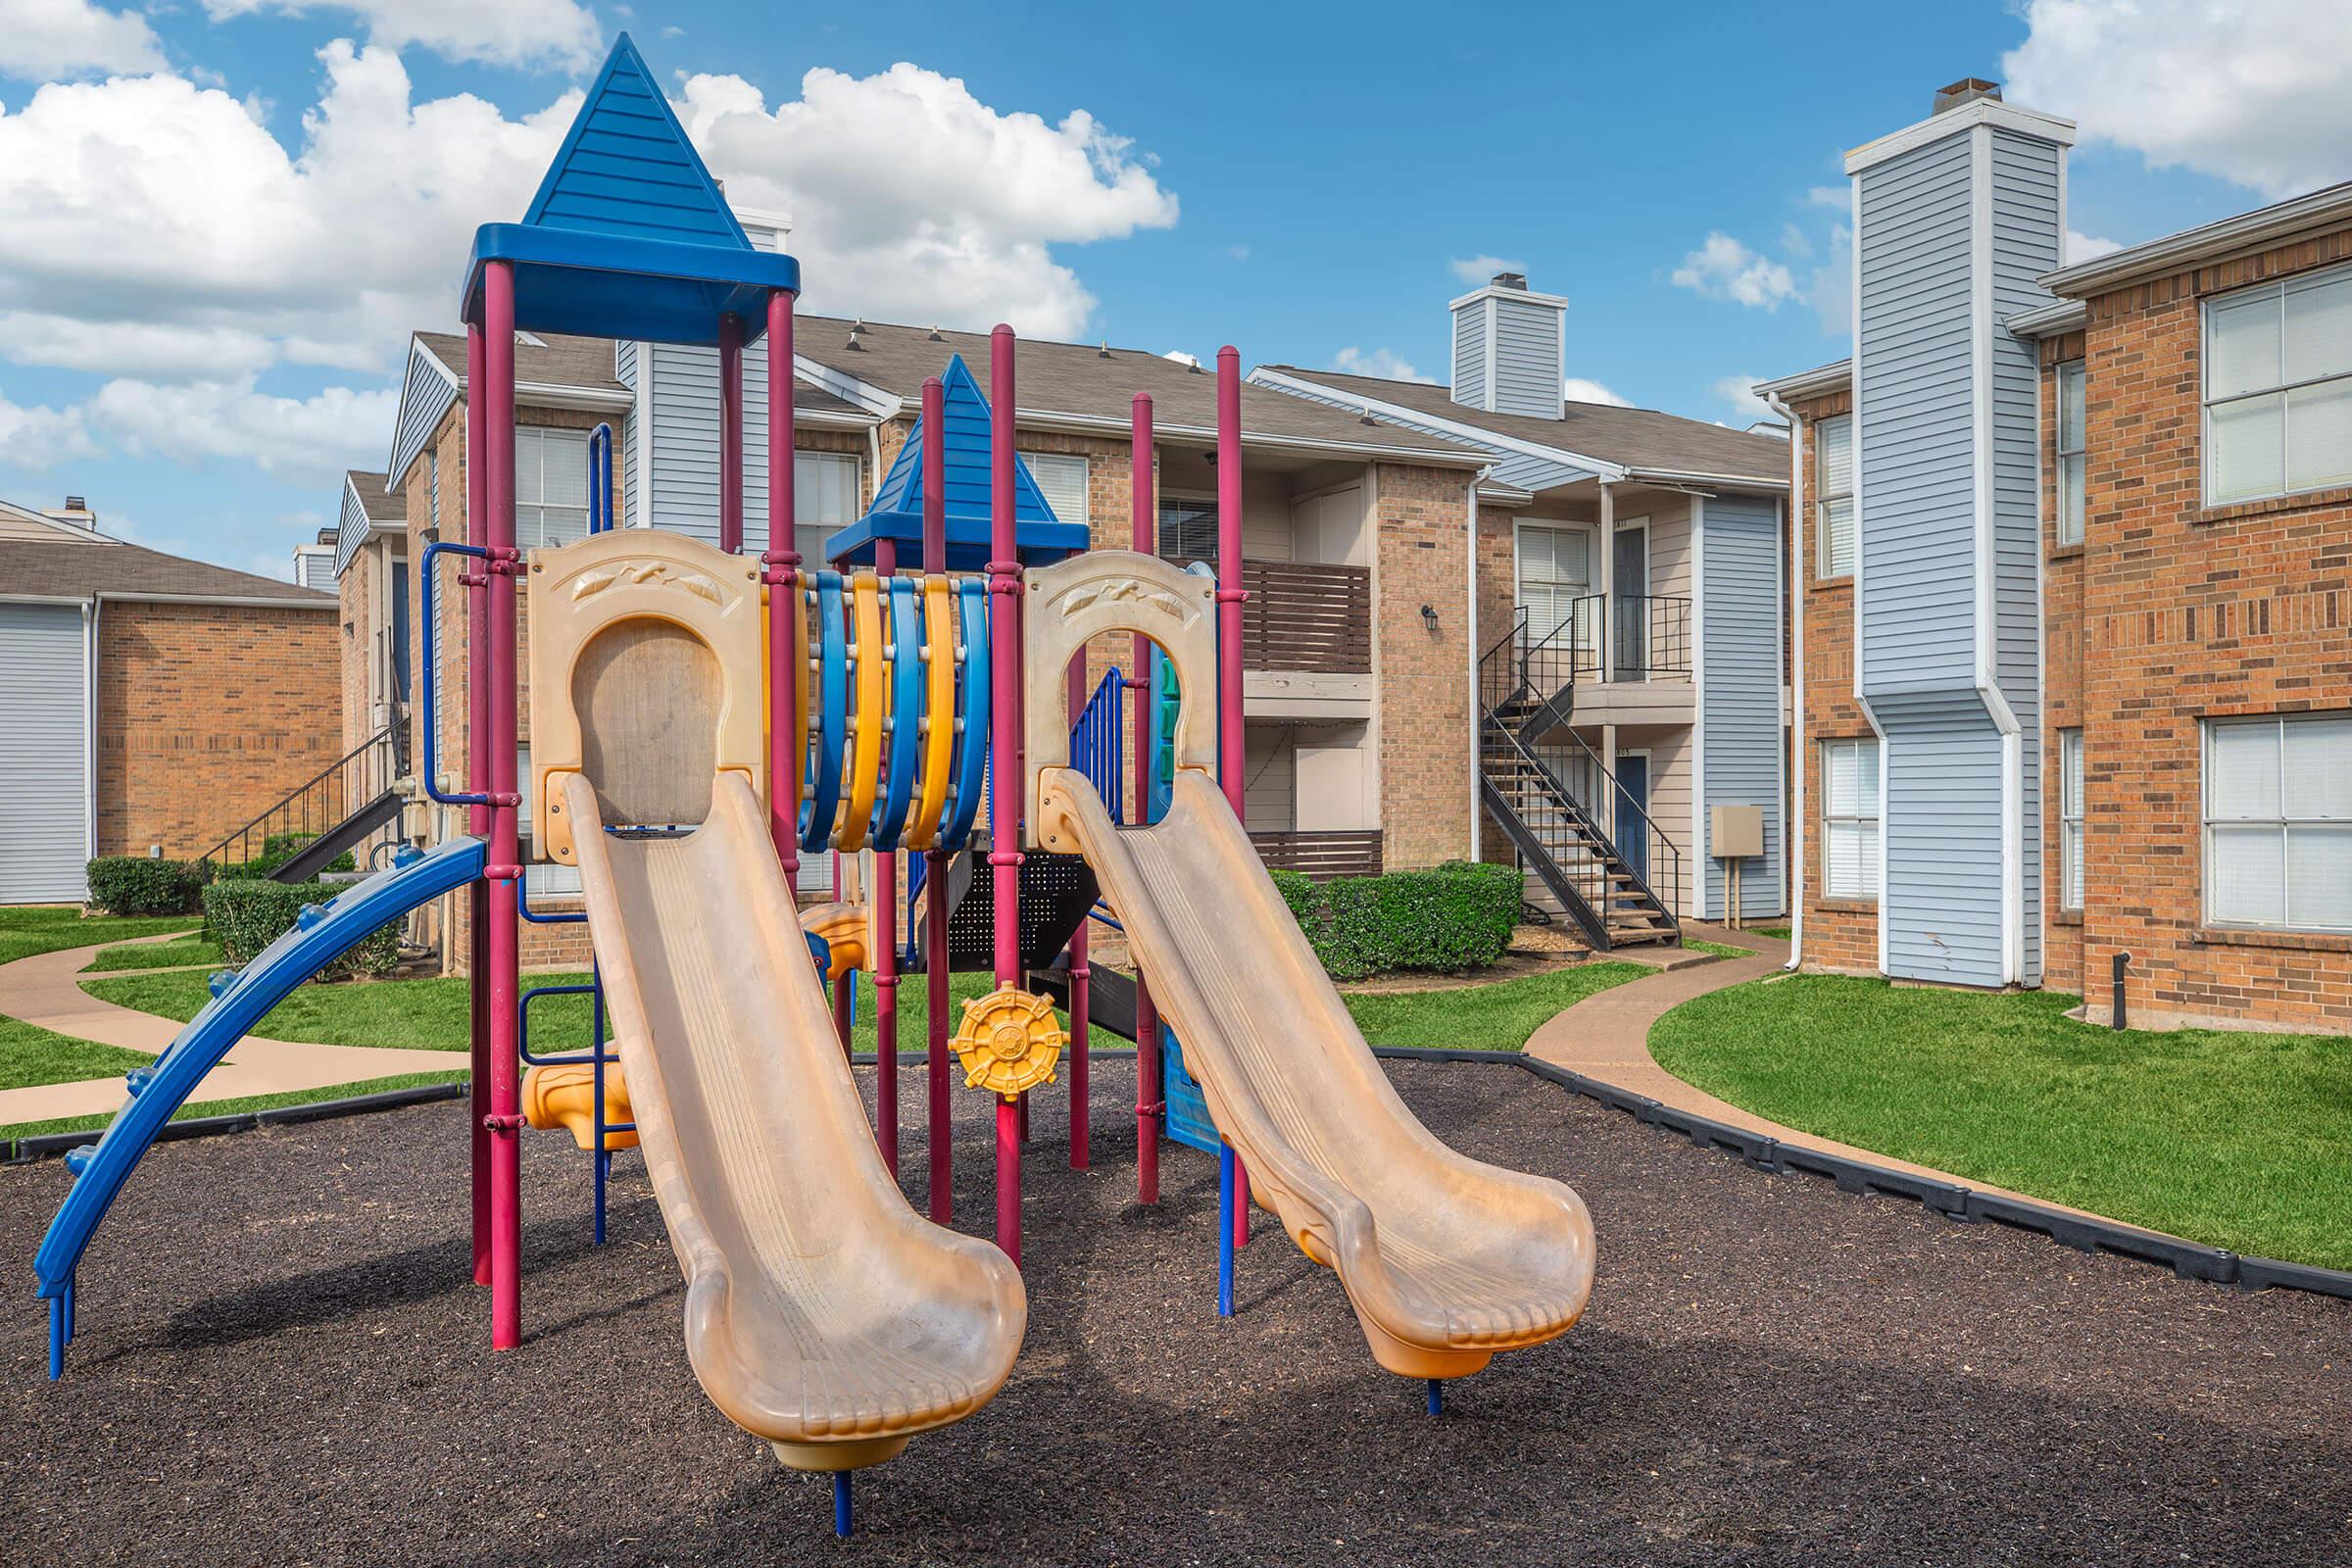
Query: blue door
x,y
1633,807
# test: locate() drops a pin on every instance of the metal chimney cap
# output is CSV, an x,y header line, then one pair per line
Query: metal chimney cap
x,y
1517,280
1968,89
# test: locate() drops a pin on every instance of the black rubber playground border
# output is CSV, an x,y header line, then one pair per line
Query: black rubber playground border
x,y
2082,1233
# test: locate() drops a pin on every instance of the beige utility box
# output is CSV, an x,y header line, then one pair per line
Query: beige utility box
x,y
1735,832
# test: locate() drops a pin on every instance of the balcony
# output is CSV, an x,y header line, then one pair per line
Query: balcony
x,y
1307,640
1630,667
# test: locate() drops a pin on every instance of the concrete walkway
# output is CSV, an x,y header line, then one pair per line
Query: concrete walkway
x,y
1606,1037
45,989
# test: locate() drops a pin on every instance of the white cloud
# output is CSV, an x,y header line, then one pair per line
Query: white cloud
x,y
507,32
914,200
160,350
2087,246
307,441
1840,197
1381,363
41,437
1479,269
1576,389
44,38
1182,358
1738,392
2256,91
1722,269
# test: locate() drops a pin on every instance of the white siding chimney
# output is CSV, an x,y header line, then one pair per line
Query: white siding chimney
x,y
1508,343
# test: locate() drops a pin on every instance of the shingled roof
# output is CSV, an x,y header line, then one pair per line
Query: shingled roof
x,y
71,567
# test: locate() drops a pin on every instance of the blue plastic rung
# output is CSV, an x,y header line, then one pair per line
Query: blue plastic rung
x,y
1224,1230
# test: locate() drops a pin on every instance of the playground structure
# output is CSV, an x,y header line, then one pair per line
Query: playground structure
x,y
701,719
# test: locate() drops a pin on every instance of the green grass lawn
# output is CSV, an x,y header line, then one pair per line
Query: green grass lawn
x,y
31,1056
231,1107
2242,1140
1778,933
1720,950
185,950
406,1014
1490,1018
45,928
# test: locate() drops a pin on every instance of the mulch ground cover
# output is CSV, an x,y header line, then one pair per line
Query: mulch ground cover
x,y
283,1359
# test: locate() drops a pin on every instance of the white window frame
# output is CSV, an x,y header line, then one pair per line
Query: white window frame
x,y
1585,636
809,529
2072,463
1041,462
2071,879
532,516
1825,553
2288,826
2283,389
1865,812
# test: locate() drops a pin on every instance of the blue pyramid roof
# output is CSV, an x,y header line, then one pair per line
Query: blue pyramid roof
x,y
965,435
628,235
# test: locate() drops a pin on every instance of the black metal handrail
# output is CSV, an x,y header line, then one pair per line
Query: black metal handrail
x,y
1648,636
321,802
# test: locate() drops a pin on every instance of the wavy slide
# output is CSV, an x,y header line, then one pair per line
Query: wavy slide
x,y
822,1313
1445,1260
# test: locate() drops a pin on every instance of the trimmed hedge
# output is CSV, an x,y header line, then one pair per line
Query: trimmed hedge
x,y
1456,916
247,914
134,884
279,847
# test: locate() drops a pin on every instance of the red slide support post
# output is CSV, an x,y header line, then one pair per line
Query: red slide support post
x,y
884,894
783,561
478,818
1230,735
730,433
503,867
1004,759
1148,1093
935,868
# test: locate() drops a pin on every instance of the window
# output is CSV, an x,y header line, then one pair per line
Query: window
x,y
550,487
2071,452
1835,510
825,501
1061,477
1849,820
2070,818
1555,584
2278,388
2278,822
541,879
1188,530
432,489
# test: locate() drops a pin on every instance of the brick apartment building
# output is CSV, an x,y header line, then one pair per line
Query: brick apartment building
x,y
151,705
2148,531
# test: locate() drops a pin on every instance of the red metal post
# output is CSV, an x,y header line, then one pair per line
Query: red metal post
x,y
1004,759
478,818
884,894
1230,737
1148,1093
1078,971
730,433
935,868
783,559
504,870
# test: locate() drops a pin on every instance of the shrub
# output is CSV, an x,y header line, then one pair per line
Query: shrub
x,y
247,914
1456,916
133,884
279,847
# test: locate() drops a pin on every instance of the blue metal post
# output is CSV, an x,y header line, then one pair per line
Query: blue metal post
x,y
57,1338
841,1504
1224,1230
1437,1396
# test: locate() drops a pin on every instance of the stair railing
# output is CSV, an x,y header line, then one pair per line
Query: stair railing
x,y
321,800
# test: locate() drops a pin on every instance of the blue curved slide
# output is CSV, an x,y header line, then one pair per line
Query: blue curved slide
x,y
239,1002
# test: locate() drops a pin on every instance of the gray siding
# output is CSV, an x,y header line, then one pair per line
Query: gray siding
x,y
1941,901
1916,417
351,529
625,371
681,490
44,768
1470,354
1527,358
1741,572
425,394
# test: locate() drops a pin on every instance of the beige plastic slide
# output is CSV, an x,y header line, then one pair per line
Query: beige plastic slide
x,y
822,1313
1445,1259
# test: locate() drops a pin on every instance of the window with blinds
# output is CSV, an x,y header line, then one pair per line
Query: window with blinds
x,y
2278,388
1555,576
826,500
2070,818
2072,452
1188,530
550,487
2278,822
1061,478
1849,820
1834,512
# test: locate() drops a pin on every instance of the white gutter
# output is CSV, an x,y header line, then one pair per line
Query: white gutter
x,y
1792,842
230,601
1470,575
2266,226
1098,424
89,733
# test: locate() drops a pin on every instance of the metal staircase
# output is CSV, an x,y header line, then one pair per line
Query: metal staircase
x,y
337,809
1527,687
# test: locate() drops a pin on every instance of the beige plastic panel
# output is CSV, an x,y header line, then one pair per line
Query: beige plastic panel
x,y
645,674
1445,1259
822,1313
1071,603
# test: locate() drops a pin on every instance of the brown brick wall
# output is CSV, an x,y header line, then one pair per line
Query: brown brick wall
x,y
208,714
2061,684
1422,535
1839,935
2172,614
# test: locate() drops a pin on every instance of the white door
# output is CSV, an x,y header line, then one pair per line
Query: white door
x,y
44,764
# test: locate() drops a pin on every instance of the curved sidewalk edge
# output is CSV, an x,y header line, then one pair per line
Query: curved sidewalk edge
x,y
45,991
1599,1047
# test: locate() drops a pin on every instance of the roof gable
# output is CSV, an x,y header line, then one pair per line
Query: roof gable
x,y
626,168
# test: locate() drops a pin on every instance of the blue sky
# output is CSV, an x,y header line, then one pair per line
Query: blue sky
x,y
218,218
